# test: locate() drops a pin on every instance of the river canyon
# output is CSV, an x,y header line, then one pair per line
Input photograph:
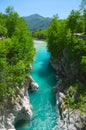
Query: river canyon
x,y
44,105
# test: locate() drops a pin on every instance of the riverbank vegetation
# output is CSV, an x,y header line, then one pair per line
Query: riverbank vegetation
x,y
67,45
40,34
16,52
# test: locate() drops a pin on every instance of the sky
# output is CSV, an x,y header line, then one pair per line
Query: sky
x,y
46,8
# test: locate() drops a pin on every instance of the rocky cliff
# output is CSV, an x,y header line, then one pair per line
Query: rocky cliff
x,y
69,119
17,107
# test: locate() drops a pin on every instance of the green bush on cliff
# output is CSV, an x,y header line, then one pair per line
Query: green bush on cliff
x,y
76,96
83,63
16,52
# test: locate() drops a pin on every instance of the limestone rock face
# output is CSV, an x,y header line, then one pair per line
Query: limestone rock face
x,y
13,111
33,86
24,111
69,119
19,107
65,69
72,120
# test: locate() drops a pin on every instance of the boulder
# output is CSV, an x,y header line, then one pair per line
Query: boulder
x,y
34,86
30,85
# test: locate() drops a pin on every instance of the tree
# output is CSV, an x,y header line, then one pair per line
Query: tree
x,y
58,35
83,63
16,54
9,10
12,17
83,9
83,4
84,17
3,29
75,22
40,34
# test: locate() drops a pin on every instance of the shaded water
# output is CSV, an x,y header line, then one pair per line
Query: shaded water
x,y
44,109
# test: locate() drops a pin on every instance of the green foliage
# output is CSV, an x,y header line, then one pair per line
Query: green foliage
x,y
16,53
75,22
57,37
11,22
71,102
84,17
80,101
3,29
70,99
83,4
83,9
40,34
83,63
77,48
9,10
69,51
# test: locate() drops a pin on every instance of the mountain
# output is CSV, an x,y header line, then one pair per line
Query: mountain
x,y
37,22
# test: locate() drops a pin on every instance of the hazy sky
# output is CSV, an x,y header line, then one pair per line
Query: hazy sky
x,y
46,8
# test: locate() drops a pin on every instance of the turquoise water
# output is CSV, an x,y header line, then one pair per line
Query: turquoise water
x,y
44,108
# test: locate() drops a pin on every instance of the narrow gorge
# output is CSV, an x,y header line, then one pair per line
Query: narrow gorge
x,y
43,102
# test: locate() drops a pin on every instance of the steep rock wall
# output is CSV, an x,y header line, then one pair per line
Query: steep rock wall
x,y
69,119
17,107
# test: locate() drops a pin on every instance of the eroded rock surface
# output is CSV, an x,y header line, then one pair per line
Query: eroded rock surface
x,y
11,111
69,119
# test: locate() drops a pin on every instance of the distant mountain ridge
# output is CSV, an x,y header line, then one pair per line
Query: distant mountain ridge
x,y
37,22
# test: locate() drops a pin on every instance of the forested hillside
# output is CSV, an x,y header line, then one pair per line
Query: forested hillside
x,y
68,52
36,22
16,52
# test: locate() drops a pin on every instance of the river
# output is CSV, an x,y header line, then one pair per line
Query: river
x,y
43,101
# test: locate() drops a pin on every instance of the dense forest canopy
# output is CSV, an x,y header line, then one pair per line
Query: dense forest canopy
x,y
16,52
67,45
